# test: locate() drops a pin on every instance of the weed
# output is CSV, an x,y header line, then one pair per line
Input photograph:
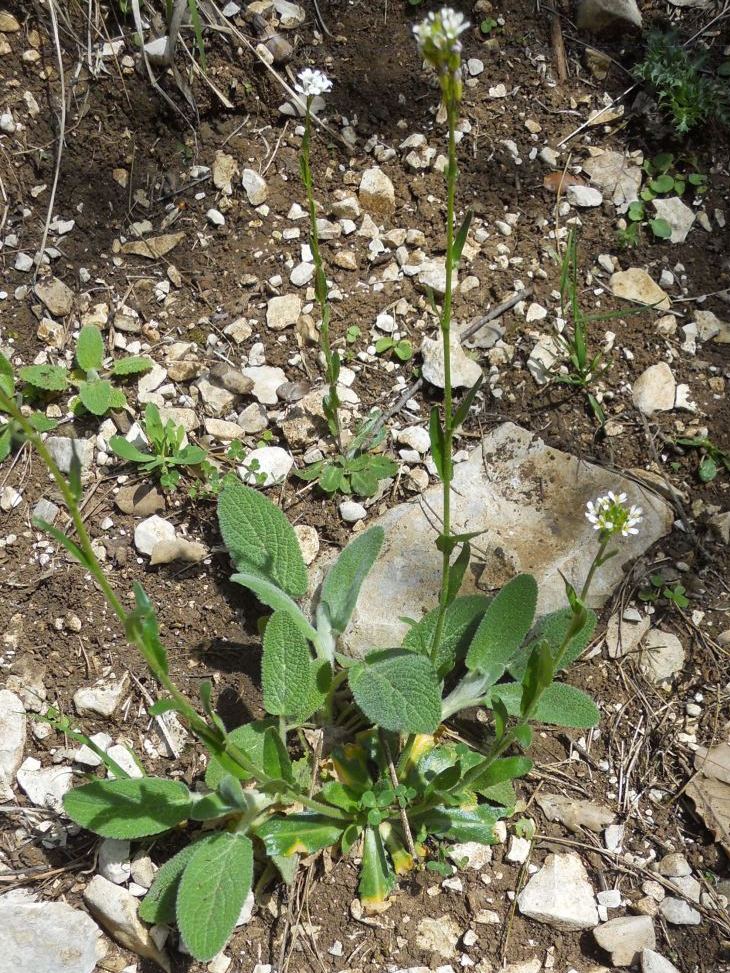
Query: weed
x,y
166,449
712,458
658,590
402,348
11,431
662,182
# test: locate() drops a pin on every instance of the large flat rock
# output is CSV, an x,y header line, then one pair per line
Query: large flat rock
x,y
529,501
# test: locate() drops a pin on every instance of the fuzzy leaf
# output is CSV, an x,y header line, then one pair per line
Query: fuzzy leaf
x,y
128,451
553,628
275,598
134,365
158,906
461,824
131,808
96,396
90,349
249,738
462,620
660,228
285,669
501,770
560,705
50,378
397,690
213,888
305,833
277,762
344,579
260,539
376,873
503,628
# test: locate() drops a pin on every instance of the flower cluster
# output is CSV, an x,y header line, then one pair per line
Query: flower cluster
x,y
438,39
611,515
312,82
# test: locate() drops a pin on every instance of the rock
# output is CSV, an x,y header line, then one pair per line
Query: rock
x,y
116,910
615,174
217,400
223,430
710,327
432,277
45,786
304,422
57,297
655,389
281,312
13,731
301,274
140,501
677,912
560,895
225,170
376,193
266,380
255,187
625,938
465,372
291,15
8,23
231,379
187,418
150,532
152,248
45,937
113,860
253,419
598,16
266,466
215,217
438,936
674,865
636,285
516,490
178,549
102,698
351,511
679,216
623,636
63,449
518,850
308,539
652,962
415,437
239,330
662,655
347,208
584,196
575,814
476,854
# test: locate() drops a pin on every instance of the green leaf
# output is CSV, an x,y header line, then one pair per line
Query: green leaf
x,y
275,598
6,441
153,424
503,628
7,379
260,539
249,739
662,184
213,888
561,705
198,31
376,873
144,620
189,456
134,365
636,211
331,478
158,906
501,770
97,396
397,690
707,469
305,833
90,349
41,423
404,350
463,410
461,824
663,161
660,228
438,441
539,674
285,669
383,344
553,628
50,378
458,570
128,451
277,763
287,867
344,579
462,620
460,239
131,808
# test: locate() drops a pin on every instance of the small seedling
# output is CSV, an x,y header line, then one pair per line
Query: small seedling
x,y
352,334
11,432
402,348
662,182
712,458
488,25
96,391
658,589
166,449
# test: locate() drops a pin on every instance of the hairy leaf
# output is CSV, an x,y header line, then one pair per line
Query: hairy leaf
x,y
158,906
90,349
285,667
561,705
97,396
461,824
131,808
462,619
213,888
133,365
501,770
344,579
260,539
248,738
277,762
275,598
553,628
128,451
305,833
376,873
50,378
503,628
397,690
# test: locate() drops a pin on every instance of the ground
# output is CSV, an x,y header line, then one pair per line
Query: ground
x,y
127,157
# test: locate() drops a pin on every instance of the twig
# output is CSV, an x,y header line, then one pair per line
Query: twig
x,y
558,44
320,19
394,781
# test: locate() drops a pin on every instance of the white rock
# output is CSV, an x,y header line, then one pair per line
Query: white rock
x,y
113,861
351,511
474,66
416,437
679,216
116,910
150,532
636,285
498,91
215,217
13,730
225,170
281,312
308,540
432,277
56,296
465,372
266,380
535,312
253,419
677,912
64,449
662,655
438,936
601,15
101,698
477,854
218,400
560,895
255,187
376,192
652,962
45,937
301,274
23,262
519,849
549,157
266,466
45,786
584,196
625,938
655,389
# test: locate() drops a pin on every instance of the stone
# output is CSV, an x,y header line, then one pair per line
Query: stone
x,y
52,333
560,895
56,296
301,274
308,540
178,549
231,379
13,730
45,937
351,511
239,330
477,855
584,196
575,813
623,636
415,437
8,23
63,449
116,910
217,400
376,192
432,277
655,390
255,187
223,430
529,500
266,380
599,16
438,936
225,170
518,850
625,938
282,312
678,215
45,786
139,501
150,532
187,418
662,655
636,285
615,174
465,372
652,962
215,217
113,860
677,912
101,698
253,419
266,466
710,327
674,865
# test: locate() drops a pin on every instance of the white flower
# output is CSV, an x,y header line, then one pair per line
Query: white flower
x,y
611,515
312,82
439,33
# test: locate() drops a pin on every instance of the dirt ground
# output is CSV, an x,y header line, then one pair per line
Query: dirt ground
x,y
639,762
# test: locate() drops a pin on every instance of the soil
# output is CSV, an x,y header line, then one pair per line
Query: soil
x,y
116,120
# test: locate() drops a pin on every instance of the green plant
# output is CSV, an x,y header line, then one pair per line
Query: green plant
x,y
11,431
660,182
402,348
166,449
712,458
96,391
488,25
658,589
392,785
678,80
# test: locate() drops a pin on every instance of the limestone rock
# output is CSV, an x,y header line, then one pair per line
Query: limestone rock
x,y
101,698
636,285
178,549
662,655
606,15
57,297
45,786
116,909
12,741
255,187
560,895
377,193
678,215
584,197
141,501
626,938
438,936
465,372
45,937
266,466
225,170
308,540
266,380
283,311
677,912
150,532
655,390
652,962
64,450
615,174
574,813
